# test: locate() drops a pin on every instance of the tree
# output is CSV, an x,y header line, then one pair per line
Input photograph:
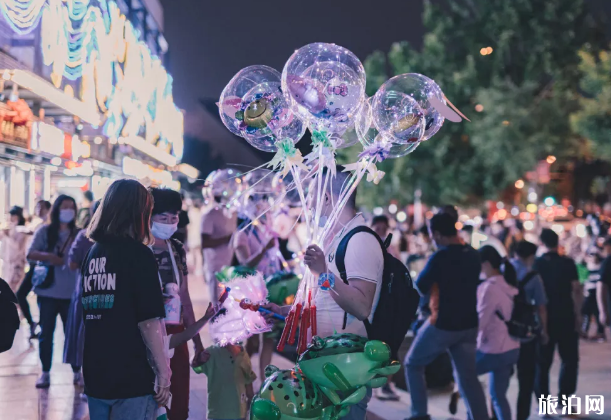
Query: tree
x,y
593,120
527,87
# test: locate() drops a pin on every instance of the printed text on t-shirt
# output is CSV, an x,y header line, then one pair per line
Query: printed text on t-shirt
x,y
96,279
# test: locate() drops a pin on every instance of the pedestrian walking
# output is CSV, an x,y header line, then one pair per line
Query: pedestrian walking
x,y
41,211
174,275
560,278
217,228
53,279
497,351
13,248
127,371
454,270
530,281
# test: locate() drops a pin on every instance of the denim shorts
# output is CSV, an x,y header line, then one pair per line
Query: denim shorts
x,y
139,408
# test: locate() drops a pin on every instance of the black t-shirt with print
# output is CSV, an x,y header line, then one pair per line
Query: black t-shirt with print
x,y
120,285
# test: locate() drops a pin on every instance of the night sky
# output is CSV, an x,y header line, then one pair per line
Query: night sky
x,y
210,41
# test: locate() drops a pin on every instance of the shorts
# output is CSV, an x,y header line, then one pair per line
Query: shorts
x,y
138,408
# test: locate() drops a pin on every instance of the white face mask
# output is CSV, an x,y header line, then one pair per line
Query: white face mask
x,y
163,231
66,215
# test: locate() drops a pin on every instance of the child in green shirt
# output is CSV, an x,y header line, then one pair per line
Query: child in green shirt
x,y
230,379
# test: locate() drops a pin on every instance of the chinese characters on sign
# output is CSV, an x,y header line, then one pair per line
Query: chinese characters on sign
x,y
594,404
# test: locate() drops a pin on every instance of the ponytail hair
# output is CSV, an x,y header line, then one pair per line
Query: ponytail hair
x,y
489,254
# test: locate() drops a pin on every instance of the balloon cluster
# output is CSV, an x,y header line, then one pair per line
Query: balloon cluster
x,y
322,87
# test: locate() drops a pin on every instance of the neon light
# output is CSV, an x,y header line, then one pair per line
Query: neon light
x,y
47,138
151,150
188,170
22,15
119,76
44,89
142,171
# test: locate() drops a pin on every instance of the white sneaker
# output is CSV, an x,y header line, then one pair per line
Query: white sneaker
x,y
44,381
78,379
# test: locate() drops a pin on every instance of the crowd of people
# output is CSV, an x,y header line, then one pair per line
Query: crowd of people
x,y
116,272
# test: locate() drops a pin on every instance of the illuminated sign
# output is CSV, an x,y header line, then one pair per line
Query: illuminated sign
x,y
47,138
142,171
188,170
93,42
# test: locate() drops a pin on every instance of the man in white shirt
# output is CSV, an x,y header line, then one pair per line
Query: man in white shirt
x,y
364,263
217,228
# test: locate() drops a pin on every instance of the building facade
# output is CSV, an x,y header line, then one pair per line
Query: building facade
x,y
85,98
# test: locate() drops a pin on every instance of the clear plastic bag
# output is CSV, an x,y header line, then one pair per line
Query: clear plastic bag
x,y
156,342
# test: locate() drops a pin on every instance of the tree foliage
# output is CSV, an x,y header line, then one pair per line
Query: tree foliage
x,y
527,87
593,120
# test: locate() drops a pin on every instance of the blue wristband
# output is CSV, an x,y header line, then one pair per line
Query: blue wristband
x,y
326,281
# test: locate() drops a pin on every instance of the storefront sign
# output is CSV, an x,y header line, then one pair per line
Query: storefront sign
x,y
48,139
94,43
142,171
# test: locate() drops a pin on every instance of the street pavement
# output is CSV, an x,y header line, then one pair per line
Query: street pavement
x,y
20,367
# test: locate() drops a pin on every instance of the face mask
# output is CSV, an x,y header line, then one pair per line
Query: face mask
x,y
163,231
66,215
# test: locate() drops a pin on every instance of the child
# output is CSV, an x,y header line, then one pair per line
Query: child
x,y
230,379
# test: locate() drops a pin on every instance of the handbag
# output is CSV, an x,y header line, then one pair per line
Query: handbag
x,y
44,275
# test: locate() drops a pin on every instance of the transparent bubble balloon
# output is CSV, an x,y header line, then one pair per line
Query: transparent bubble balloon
x,y
325,84
418,87
397,115
261,193
291,197
223,186
369,135
252,106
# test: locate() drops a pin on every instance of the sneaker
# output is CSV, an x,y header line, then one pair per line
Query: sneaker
x,y
78,379
454,402
599,338
386,393
44,381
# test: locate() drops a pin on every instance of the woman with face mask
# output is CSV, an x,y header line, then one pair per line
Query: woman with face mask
x,y
49,249
172,261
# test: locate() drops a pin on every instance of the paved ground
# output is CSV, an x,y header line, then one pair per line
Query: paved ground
x,y
20,400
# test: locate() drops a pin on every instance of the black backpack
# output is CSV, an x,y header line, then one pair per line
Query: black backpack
x,y
9,318
398,300
524,324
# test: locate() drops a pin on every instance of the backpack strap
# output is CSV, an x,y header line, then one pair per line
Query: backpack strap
x,y
340,256
521,285
528,277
